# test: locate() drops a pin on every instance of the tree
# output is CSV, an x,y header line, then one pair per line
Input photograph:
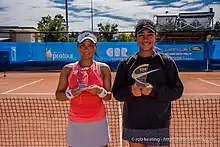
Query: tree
x,y
54,28
106,31
73,37
126,37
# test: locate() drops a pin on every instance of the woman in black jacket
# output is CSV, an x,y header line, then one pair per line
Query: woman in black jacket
x,y
147,106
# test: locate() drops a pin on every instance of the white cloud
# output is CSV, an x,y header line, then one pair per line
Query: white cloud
x,y
26,13
124,13
216,8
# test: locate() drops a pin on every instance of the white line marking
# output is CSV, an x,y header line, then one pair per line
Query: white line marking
x,y
205,81
3,83
201,94
22,86
50,94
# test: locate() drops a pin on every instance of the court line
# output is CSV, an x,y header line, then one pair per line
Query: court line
x,y
50,94
205,81
34,82
3,83
201,94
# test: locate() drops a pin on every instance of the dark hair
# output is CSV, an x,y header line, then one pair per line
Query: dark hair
x,y
97,55
145,24
145,21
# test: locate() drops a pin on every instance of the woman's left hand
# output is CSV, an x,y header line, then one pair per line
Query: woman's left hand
x,y
147,89
94,89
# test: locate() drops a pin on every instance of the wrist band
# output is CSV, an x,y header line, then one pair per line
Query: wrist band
x,y
69,93
103,93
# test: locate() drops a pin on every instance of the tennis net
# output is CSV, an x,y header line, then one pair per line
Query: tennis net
x,y
41,121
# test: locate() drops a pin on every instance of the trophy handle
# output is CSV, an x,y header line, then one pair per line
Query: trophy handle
x,y
140,75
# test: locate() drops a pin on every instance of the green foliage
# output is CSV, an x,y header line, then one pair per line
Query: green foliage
x,y
126,37
73,37
54,29
106,31
209,37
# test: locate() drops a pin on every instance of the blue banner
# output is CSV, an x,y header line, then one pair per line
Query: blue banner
x,y
214,52
183,52
108,51
57,52
27,52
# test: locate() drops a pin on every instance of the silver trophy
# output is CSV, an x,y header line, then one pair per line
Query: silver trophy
x,y
82,78
140,75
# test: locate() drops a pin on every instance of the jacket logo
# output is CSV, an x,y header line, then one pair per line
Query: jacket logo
x,y
138,75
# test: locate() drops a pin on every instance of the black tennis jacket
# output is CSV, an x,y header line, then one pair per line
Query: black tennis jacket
x,y
152,111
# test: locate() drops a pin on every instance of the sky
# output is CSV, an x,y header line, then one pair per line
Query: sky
x,y
27,13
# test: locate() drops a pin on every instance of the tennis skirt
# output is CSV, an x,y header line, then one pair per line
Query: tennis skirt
x,y
87,134
150,137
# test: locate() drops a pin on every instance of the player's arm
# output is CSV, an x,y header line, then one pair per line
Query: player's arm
x,y
105,91
107,81
173,90
61,93
121,89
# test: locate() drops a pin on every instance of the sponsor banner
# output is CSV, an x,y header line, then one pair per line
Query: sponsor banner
x,y
120,50
183,52
115,51
214,51
61,52
107,51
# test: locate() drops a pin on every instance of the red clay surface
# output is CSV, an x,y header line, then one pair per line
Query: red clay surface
x,y
24,82
29,111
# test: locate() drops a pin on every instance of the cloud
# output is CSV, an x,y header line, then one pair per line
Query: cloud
x,y
123,12
216,8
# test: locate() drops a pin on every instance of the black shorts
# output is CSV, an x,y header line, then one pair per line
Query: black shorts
x,y
151,137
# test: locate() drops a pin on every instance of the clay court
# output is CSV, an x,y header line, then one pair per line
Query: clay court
x,y
44,83
29,111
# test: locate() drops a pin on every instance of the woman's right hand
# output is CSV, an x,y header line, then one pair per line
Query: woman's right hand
x,y
76,91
